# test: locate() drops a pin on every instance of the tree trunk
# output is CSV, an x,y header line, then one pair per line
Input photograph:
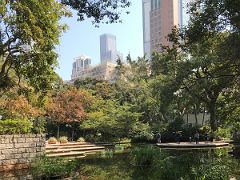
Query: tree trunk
x,y
195,113
203,119
58,131
72,133
212,111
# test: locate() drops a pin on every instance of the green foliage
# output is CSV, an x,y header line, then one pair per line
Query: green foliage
x,y
15,126
108,153
112,120
144,156
223,133
107,11
45,167
39,125
165,164
30,30
202,65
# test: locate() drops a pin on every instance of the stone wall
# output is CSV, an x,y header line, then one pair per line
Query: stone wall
x,y
17,151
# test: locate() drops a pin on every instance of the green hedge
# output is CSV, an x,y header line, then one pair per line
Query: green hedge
x,y
15,126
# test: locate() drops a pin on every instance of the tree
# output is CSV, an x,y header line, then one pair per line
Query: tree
x,y
204,58
99,10
134,87
66,107
15,106
114,121
29,31
212,39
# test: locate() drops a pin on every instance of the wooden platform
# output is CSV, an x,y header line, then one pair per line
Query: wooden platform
x,y
77,150
187,145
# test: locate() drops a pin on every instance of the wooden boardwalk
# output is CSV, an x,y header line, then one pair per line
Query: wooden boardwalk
x,y
72,149
193,145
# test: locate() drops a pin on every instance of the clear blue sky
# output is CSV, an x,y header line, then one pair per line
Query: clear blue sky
x,y
83,38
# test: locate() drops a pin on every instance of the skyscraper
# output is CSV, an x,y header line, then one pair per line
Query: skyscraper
x,y
185,6
164,16
146,8
159,17
108,50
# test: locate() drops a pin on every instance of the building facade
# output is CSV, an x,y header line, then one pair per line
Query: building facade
x,y
108,49
80,64
82,69
159,17
164,16
146,8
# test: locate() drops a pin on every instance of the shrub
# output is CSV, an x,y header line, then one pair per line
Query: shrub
x,y
47,168
81,140
63,139
39,124
52,140
223,133
144,156
15,126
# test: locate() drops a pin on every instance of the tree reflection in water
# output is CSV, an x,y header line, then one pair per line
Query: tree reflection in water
x,y
154,163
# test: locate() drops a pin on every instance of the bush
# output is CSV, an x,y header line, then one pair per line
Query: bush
x,y
47,168
223,133
63,139
15,126
81,140
39,125
145,156
52,140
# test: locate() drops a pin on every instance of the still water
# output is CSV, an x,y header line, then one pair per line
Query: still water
x,y
152,163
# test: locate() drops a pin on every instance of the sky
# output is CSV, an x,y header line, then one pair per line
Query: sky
x,y
83,38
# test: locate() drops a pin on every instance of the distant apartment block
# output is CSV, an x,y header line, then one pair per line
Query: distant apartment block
x,y
108,49
80,64
82,69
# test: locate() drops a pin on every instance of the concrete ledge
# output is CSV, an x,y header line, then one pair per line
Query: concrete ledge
x,y
187,145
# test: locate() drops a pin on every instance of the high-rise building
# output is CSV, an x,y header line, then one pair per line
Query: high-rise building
x,y
80,64
185,6
108,50
164,16
146,8
159,17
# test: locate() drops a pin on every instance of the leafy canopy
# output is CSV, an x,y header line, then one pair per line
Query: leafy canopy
x,y
29,31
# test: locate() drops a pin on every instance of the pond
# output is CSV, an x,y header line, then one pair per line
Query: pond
x,y
150,162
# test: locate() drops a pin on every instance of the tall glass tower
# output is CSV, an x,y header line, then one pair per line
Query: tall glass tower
x,y
146,8
108,50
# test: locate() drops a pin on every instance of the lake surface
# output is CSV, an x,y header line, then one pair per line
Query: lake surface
x,y
207,164
149,163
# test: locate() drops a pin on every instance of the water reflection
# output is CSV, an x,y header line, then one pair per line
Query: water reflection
x,y
150,162
154,163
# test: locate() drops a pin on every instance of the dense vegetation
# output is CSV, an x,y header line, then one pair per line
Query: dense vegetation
x,y
198,73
